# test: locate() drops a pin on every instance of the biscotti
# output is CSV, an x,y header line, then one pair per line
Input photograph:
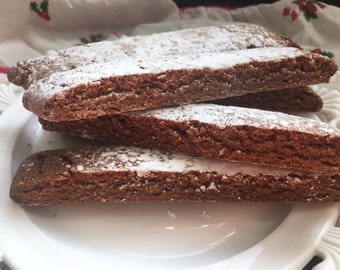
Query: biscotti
x,y
197,40
108,88
302,99
108,174
230,133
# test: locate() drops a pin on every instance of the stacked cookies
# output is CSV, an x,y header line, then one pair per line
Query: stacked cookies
x,y
161,100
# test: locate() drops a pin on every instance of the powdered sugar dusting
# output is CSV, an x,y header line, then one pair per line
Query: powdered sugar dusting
x,y
199,40
140,160
223,116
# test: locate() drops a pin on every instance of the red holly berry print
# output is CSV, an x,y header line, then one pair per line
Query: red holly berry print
x,y
324,53
308,8
41,10
4,70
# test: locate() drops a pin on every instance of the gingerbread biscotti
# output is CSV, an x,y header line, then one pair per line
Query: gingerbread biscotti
x,y
197,40
134,92
302,99
137,84
108,174
230,133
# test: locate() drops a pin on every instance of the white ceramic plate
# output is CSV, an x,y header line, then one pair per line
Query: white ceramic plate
x,y
149,236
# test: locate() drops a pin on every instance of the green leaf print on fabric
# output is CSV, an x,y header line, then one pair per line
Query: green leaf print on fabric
x,y
41,9
308,8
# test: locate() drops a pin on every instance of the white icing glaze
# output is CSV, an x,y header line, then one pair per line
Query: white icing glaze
x,y
59,83
120,158
223,116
